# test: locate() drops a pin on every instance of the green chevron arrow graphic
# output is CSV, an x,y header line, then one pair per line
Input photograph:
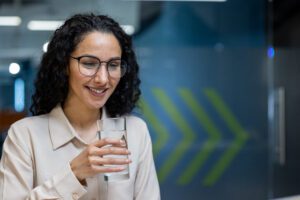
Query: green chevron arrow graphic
x,y
213,132
241,137
160,130
182,125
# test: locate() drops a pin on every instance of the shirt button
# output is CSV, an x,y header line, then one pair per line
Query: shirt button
x,y
75,196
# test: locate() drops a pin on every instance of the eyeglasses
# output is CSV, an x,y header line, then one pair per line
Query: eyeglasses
x,y
89,66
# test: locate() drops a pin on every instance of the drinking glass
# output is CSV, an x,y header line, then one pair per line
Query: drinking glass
x,y
114,128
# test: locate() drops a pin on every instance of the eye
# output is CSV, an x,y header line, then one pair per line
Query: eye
x,y
113,64
88,62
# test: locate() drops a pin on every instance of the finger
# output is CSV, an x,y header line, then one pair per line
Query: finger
x,y
115,161
113,168
123,144
109,141
108,150
96,160
114,151
107,169
92,150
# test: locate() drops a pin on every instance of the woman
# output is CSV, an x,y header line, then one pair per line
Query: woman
x,y
89,72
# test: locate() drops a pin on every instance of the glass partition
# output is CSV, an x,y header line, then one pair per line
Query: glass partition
x,y
205,89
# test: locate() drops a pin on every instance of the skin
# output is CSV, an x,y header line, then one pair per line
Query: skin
x,y
83,103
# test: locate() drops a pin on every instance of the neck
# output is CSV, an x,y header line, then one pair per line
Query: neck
x,y
83,120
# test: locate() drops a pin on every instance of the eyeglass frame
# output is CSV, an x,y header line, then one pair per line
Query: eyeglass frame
x,y
123,65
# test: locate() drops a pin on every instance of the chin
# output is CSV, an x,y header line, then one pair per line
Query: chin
x,y
97,105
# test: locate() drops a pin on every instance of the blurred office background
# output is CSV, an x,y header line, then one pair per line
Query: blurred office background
x,y
220,85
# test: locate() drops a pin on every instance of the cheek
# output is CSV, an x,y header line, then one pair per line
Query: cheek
x,y
115,83
75,80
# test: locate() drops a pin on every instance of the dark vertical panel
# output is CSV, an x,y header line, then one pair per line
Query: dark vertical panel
x,y
203,71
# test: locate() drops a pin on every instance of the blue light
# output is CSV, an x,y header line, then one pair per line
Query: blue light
x,y
19,90
271,52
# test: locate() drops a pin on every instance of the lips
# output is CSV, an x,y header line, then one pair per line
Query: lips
x,y
97,91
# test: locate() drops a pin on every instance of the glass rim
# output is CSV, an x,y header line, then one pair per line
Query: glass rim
x,y
114,121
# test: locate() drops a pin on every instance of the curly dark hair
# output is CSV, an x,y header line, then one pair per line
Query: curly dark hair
x,y
51,84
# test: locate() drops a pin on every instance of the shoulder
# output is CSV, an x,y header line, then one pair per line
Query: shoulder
x,y
29,126
139,139
31,122
136,122
23,132
135,119
138,128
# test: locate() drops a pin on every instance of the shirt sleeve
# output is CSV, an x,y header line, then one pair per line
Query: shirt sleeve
x,y
146,186
17,173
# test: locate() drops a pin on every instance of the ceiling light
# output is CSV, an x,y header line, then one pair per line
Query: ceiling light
x,y
10,21
43,25
129,29
14,68
45,47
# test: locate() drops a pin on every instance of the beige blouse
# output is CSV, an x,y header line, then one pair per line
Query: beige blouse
x,y
36,156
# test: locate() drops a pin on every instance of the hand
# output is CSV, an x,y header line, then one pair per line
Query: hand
x,y
90,161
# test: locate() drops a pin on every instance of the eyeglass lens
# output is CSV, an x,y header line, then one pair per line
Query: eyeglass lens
x,y
89,66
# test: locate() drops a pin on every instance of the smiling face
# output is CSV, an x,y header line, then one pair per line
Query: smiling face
x,y
93,92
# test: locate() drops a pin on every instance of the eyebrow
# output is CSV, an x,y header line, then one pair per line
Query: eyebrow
x,y
89,55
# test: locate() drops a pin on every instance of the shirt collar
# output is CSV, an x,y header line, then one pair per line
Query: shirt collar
x,y
104,113
60,128
61,131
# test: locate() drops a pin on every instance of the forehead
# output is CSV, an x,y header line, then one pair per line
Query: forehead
x,y
99,44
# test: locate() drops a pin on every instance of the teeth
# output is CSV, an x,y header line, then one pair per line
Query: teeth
x,y
96,90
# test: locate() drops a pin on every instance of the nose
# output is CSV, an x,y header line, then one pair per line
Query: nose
x,y
102,74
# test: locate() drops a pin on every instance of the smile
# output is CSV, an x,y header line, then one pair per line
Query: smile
x,y
97,91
